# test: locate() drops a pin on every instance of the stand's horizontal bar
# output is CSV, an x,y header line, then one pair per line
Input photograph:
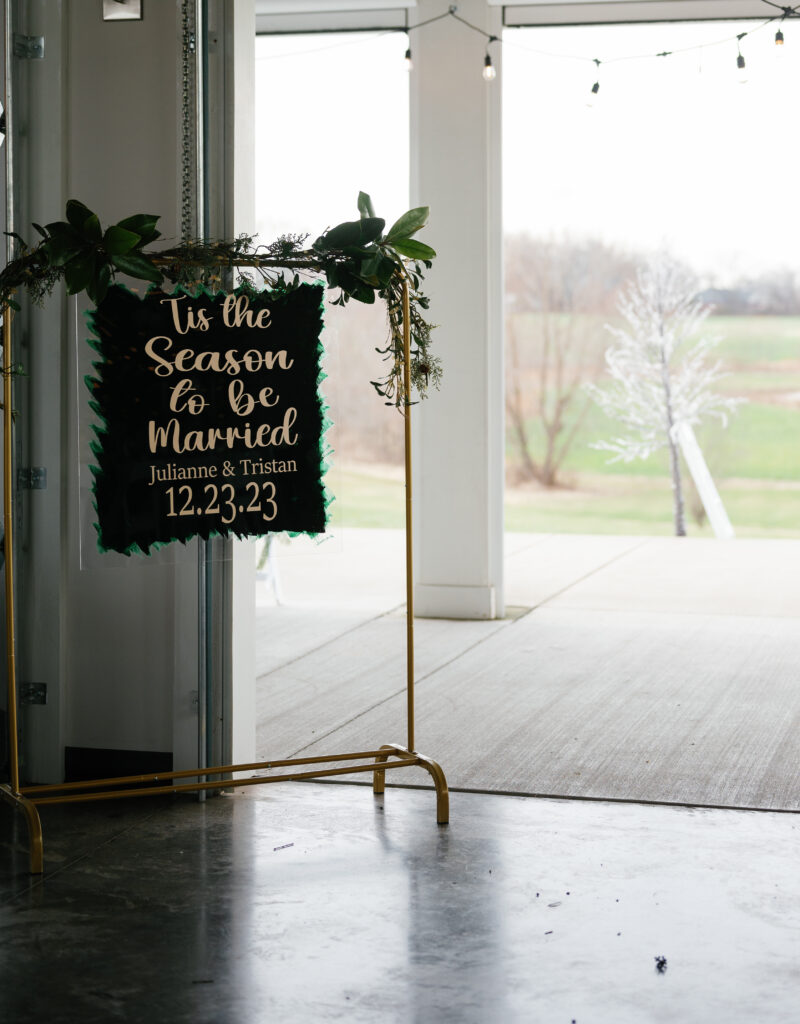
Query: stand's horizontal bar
x,y
189,773
119,794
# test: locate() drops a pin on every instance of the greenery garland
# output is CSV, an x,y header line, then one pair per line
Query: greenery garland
x,y
355,257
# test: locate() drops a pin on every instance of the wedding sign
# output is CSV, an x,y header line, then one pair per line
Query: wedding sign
x,y
210,420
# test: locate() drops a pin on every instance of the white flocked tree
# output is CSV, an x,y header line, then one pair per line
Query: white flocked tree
x,y
661,376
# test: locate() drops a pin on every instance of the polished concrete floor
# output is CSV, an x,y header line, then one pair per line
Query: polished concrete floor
x,y
314,902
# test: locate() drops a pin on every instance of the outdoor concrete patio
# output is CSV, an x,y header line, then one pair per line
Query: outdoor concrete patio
x,y
628,668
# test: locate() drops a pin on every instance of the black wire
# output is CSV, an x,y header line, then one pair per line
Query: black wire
x,y
788,12
480,31
410,28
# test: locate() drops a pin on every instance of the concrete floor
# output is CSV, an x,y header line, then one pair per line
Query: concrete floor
x,y
320,902
631,668
314,902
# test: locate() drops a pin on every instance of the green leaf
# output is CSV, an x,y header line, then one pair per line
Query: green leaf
x,y
143,224
60,229
409,224
101,276
377,270
117,240
353,232
39,228
59,248
79,272
77,213
136,265
91,229
365,205
369,266
413,249
363,293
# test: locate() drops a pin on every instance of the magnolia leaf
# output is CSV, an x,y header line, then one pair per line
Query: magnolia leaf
x,y
352,233
136,265
91,228
365,205
77,213
97,289
363,293
143,224
60,249
78,272
117,240
413,249
409,224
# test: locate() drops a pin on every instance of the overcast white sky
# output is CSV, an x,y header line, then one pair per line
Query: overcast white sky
x,y
675,151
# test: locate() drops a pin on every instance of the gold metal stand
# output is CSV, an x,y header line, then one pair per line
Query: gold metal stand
x,y
11,793
27,799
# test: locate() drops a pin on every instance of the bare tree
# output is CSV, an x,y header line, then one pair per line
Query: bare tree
x,y
660,372
556,291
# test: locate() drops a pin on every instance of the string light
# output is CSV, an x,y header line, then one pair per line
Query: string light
x,y
490,71
740,62
596,86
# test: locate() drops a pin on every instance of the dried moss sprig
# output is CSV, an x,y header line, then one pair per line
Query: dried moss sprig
x,y
356,258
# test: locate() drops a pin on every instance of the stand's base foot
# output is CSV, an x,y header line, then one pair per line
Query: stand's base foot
x,y
439,780
174,782
34,823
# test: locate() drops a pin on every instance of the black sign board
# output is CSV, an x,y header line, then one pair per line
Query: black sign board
x,y
209,415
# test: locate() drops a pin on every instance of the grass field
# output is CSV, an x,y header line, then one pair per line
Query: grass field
x,y
755,462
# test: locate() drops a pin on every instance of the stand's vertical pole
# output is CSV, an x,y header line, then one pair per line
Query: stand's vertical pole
x,y
202,663
409,535
8,546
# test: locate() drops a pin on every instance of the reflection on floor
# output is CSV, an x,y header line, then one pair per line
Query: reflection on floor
x,y
650,669
313,902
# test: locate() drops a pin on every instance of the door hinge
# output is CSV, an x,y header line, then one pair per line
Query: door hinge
x,y
32,693
28,47
32,478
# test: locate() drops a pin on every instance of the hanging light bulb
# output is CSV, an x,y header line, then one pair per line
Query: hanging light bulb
x,y
595,88
740,63
408,60
489,70
779,40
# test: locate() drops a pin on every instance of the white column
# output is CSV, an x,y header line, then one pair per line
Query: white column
x,y
458,447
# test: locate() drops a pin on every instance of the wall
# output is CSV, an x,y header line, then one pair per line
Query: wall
x,y
115,639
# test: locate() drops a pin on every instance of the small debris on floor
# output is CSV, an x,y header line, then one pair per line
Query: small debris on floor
x,y
284,847
556,904
548,933
661,964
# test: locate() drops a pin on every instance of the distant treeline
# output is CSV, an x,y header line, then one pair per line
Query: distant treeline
x,y
775,293
569,275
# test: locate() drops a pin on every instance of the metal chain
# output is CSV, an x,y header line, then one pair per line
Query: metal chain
x,y
188,121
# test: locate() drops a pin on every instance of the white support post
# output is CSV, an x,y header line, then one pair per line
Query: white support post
x,y
458,449
703,481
